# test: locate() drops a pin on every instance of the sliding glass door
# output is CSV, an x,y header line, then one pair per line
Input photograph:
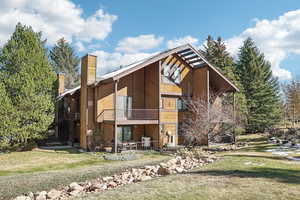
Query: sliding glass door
x,y
124,134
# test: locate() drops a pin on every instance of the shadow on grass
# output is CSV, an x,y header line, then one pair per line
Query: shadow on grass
x,y
281,175
263,138
44,168
260,147
258,156
59,150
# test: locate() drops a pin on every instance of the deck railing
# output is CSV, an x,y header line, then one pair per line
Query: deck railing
x,y
73,116
129,114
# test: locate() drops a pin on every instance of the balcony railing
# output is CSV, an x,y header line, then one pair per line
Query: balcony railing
x,y
72,116
130,114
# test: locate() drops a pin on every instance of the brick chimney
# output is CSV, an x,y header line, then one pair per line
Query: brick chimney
x,y
61,83
88,76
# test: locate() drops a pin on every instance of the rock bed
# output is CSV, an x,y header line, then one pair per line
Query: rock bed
x,y
285,148
173,166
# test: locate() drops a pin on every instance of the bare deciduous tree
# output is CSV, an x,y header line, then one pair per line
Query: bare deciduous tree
x,y
203,118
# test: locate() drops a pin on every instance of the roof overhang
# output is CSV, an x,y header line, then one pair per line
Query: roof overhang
x,y
186,52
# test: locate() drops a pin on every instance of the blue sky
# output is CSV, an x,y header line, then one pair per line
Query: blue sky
x,y
120,31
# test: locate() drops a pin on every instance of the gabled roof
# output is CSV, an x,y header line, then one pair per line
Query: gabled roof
x,y
70,91
186,52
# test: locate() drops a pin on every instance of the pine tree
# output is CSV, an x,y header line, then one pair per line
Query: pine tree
x,y
8,119
29,80
216,53
64,60
260,87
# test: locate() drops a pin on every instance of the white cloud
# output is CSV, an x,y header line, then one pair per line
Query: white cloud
x,y
55,18
107,62
139,43
180,41
276,38
80,46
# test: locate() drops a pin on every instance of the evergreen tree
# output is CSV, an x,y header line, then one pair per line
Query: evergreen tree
x,y
29,80
260,87
64,60
8,119
215,52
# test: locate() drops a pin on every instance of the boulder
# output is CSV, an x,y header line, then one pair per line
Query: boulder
x,y
107,178
179,169
22,198
41,196
75,186
31,195
112,184
172,161
146,178
75,193
53,194
164,171
103,186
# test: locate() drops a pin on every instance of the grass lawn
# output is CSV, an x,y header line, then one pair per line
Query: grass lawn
x,y
38,170
250,173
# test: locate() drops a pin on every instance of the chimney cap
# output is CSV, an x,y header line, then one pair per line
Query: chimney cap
x,y
88,55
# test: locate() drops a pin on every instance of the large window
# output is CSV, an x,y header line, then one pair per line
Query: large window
x,y
125,134
177,76
169,75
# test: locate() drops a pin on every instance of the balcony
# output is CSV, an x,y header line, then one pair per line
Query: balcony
x,y
72,116
132,116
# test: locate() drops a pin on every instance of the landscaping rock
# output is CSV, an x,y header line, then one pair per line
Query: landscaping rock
x,y
179,169
108,178
75,193
146,178
41,196
53,194
76,187
112,184
164,171
23,198
179,164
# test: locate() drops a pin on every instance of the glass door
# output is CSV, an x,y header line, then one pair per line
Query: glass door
x,y
124,134
124,107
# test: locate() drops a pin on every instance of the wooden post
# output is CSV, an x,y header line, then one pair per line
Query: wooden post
x,y
233,110
159,102
116,117
208,100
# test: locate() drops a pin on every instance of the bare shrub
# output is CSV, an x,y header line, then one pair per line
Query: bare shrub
x,y
203,118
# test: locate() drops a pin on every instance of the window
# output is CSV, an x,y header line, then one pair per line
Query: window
x,y
177,76
166,70
169,75
181,105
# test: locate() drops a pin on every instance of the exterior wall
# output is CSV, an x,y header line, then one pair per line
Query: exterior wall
x,y
200,83
152,130
151,86
143,86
